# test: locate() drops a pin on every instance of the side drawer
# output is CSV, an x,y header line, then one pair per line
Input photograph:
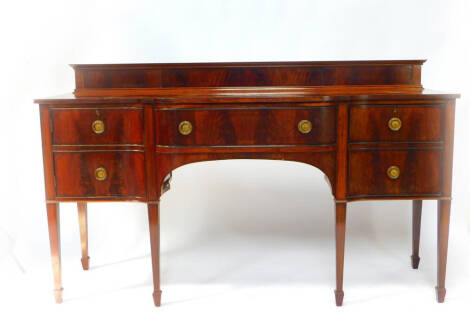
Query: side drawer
x,y
97,126
246,126
404,172
100,174
395,123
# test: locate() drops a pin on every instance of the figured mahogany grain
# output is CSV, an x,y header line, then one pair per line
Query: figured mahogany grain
x,y
74,126
249,74
250,111
420,172
369,122
246,126
75,174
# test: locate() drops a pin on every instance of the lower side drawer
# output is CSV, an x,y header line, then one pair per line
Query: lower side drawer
x,y
100,174
407,172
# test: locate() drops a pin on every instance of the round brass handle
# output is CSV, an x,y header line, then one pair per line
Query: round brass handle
x,y
394,124
101,174
393,172
98,126
185,128
304,126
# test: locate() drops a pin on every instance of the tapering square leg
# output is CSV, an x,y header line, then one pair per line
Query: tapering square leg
x,y
417,208
154,225
83,223
443,216
340,231
54,238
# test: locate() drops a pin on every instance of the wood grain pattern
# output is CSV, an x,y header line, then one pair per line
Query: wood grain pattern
x,y
246,126
249,111
248,74
75,173
122,126
369,123
420,172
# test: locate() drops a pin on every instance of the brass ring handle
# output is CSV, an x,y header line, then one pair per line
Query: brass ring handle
x,y
304,126
98,126
185,128
394,124
393,172
101,174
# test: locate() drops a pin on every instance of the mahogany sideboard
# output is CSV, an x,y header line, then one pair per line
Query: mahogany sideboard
x,y
369,126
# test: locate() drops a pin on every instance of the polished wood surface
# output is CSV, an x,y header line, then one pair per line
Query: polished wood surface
x,y
248,74
246,125
420,172
369,126
75,174
83,223
340,232
154,226
443,220
416,234
418,123
74,126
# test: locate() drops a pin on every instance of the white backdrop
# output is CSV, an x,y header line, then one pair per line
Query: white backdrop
x,y
253,239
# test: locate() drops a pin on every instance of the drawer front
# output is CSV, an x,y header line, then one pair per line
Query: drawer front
x,y
248,126
394,172
395,123
97,126
99,174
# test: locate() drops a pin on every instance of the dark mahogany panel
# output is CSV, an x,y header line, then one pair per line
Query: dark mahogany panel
x,y
247,126
369,123
74,126
407,72
316,76
420,172
75,174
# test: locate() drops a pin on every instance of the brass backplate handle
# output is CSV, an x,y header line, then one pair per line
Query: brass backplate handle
x,y
185,128
393,172
394,124
98,126
101,174
304,126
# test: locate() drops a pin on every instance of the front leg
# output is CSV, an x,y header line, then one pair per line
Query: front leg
x,y
417,208
83,223
54,238
154,225
443,218
340,231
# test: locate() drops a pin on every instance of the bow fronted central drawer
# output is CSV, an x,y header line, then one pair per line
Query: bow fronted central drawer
x,y
246,126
